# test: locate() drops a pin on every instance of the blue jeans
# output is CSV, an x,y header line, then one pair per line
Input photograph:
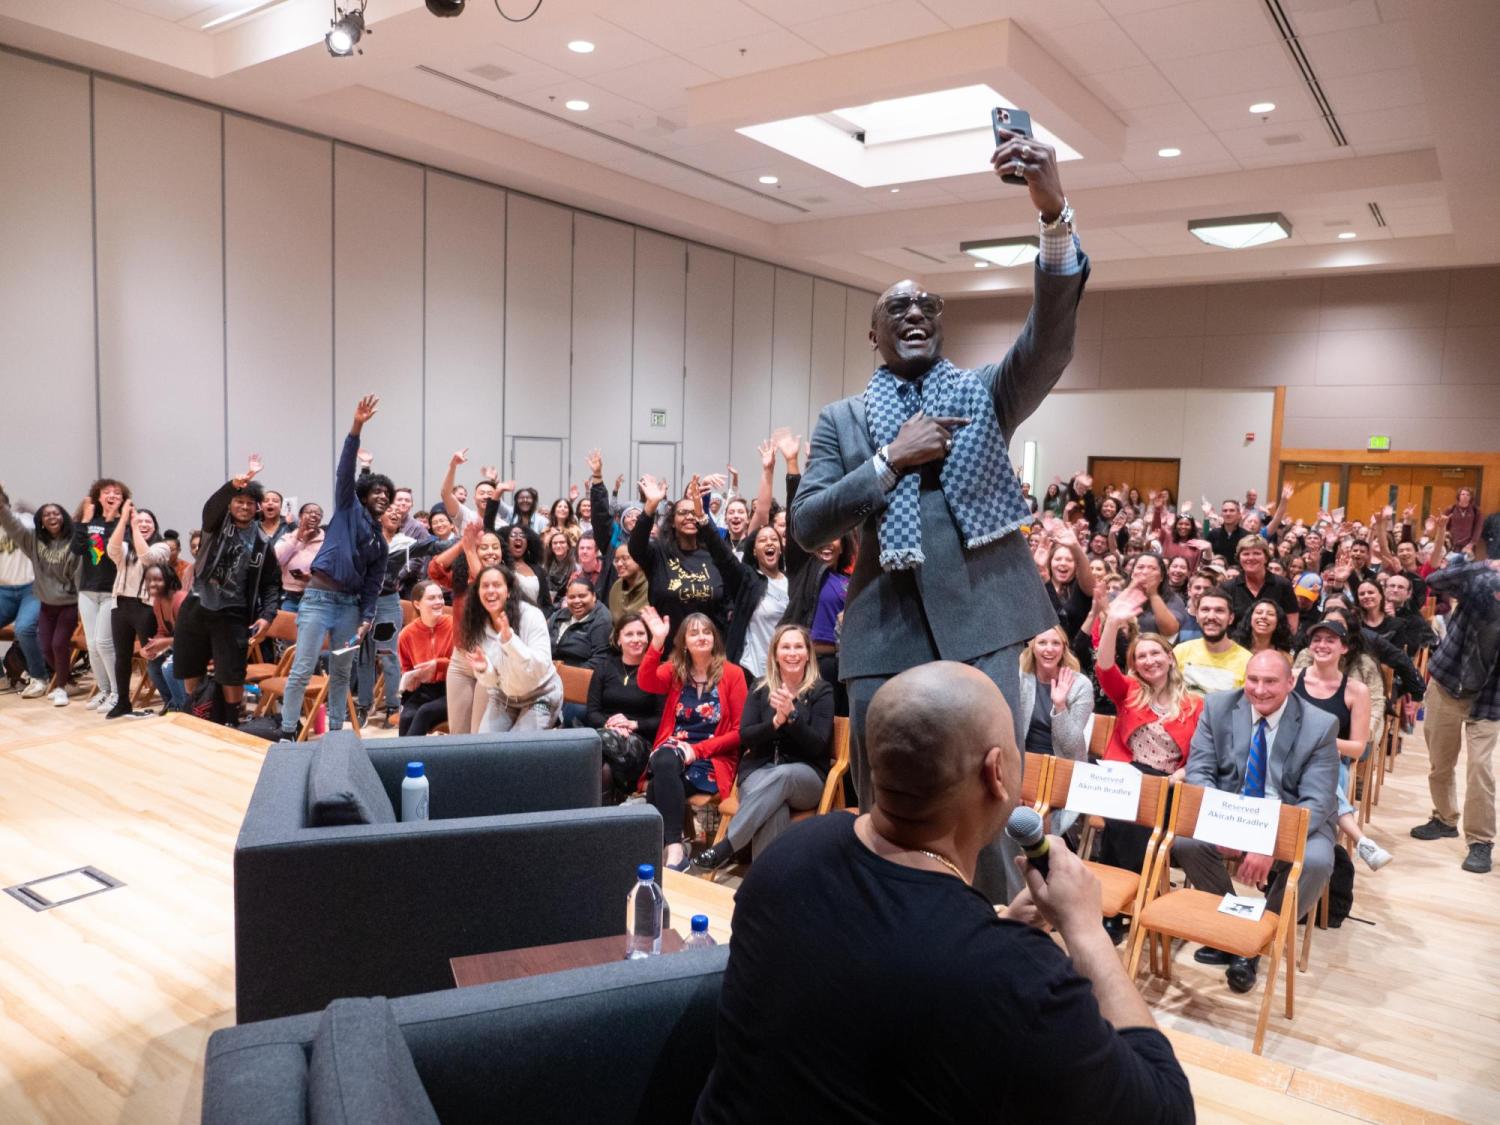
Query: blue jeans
x,y
381,655
168,686
19,604
323,615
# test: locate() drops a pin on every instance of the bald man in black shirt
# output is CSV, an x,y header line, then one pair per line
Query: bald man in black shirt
x,y
869,981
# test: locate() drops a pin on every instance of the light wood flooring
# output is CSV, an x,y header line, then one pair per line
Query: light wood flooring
x,y
106,1004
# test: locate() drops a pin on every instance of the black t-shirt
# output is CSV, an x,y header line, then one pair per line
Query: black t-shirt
x,y
1071,607
858,989
1274,588
1225,541
616,690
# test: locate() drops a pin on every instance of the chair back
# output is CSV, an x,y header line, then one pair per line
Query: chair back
x,y
1291,829
833,785
1104,730
1037,769
408,612
575,682
1150,810
283,628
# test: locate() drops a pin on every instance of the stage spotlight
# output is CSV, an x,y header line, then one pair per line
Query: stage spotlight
x,y
445,7
345,31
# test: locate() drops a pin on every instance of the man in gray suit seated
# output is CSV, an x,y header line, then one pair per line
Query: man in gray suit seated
x,y
919,464
1264,741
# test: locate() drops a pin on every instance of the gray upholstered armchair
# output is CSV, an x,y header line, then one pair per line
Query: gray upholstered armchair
x,y
630,1041
333,897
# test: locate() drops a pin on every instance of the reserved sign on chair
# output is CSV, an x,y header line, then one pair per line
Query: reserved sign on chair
x,y
1108,789
1247,824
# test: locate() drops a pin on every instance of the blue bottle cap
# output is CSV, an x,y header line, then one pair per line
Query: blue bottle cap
x,y
645,872
413,769
700,923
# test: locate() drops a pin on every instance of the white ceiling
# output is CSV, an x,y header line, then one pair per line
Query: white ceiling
x,y
483,96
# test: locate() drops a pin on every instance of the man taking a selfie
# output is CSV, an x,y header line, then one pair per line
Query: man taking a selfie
x,y
919,463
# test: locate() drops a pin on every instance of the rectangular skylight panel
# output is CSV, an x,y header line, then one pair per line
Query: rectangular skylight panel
x,y
921,137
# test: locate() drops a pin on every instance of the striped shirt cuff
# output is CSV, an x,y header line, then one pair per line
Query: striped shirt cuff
x,y
1059,252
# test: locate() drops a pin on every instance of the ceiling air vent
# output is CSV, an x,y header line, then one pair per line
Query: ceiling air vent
x,y
490,72
1376,215
1285,139
814,199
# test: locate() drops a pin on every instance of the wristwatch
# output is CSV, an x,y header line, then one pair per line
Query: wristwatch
x,y
1064,219
883,468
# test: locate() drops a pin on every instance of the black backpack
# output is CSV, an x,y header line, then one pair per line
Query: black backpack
x,y
1340,888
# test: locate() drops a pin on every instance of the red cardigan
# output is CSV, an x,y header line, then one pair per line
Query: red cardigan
x,y
723,747
1120,687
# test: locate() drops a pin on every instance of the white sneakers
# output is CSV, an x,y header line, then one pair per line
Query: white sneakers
x,y
59,698
109,703
1373,854
34,690
95,701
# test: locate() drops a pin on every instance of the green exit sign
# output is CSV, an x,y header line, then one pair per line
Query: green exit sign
x,y
1380,442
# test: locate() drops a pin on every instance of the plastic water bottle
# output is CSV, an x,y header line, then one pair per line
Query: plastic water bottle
x,y
643,913
700,938
414,791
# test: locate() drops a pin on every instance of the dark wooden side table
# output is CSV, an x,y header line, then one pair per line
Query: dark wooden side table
x,y
512,964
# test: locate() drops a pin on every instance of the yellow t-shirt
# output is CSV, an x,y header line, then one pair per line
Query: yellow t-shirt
x,y
1206,671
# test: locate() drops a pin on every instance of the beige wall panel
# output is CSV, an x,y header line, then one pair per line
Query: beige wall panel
x,y
538,317
1380,357
278,258
1169,361
46,283
750,410
377,255
660,308
465,387
161,298
709,352
1262,360
603,264
791,361
1132,314
829,304
1385,300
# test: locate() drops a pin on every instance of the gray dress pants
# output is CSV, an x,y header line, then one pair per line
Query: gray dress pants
x,y
768,797
996,876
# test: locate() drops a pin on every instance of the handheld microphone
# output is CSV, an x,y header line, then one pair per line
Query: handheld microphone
x,y
1026,829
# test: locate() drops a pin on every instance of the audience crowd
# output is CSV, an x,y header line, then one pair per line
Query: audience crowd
x,y
710,636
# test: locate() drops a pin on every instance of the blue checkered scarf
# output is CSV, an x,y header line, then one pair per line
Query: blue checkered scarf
x,y
978,481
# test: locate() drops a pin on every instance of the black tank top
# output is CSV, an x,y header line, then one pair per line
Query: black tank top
x,y
1334,704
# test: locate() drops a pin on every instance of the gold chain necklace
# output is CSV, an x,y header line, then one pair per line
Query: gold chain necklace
x,y
944,860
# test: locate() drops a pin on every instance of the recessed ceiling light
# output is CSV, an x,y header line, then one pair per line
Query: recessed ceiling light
x,y
1262,107
895,190
981,265
1168,153
1004,251
1346,234
1239,232
581,47
769,180
577,105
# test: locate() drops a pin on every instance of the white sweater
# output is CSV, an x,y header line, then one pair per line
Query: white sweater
x,y
522,667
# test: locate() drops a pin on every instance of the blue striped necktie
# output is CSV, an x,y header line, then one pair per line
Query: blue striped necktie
x,y
1255,768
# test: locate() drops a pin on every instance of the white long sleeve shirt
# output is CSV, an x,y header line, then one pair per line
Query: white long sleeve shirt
x,y
522,666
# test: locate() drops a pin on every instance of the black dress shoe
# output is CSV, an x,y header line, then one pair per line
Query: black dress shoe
x,y
715,857
1208,955
1241,973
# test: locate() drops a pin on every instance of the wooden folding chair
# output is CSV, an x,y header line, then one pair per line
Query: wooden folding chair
x,y
283,627
1104,729
1390,740
1121,891
575,682
1193,915
273,689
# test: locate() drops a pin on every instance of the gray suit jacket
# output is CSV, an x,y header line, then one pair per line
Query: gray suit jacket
x,y
960,604
1303,766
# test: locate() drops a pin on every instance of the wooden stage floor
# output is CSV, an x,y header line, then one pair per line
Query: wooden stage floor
x,y
106,1003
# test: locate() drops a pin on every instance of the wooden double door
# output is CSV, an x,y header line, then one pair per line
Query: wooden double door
x,y
1145,474
1363,488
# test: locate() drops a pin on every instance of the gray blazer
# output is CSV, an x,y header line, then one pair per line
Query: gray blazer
x,y
1304,761
960,604
1067,728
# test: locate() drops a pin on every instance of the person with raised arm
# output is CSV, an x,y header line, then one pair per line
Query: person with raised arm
x,y
235,596
339,603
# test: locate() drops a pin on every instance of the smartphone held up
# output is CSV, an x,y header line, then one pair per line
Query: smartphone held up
x,y
1007,120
